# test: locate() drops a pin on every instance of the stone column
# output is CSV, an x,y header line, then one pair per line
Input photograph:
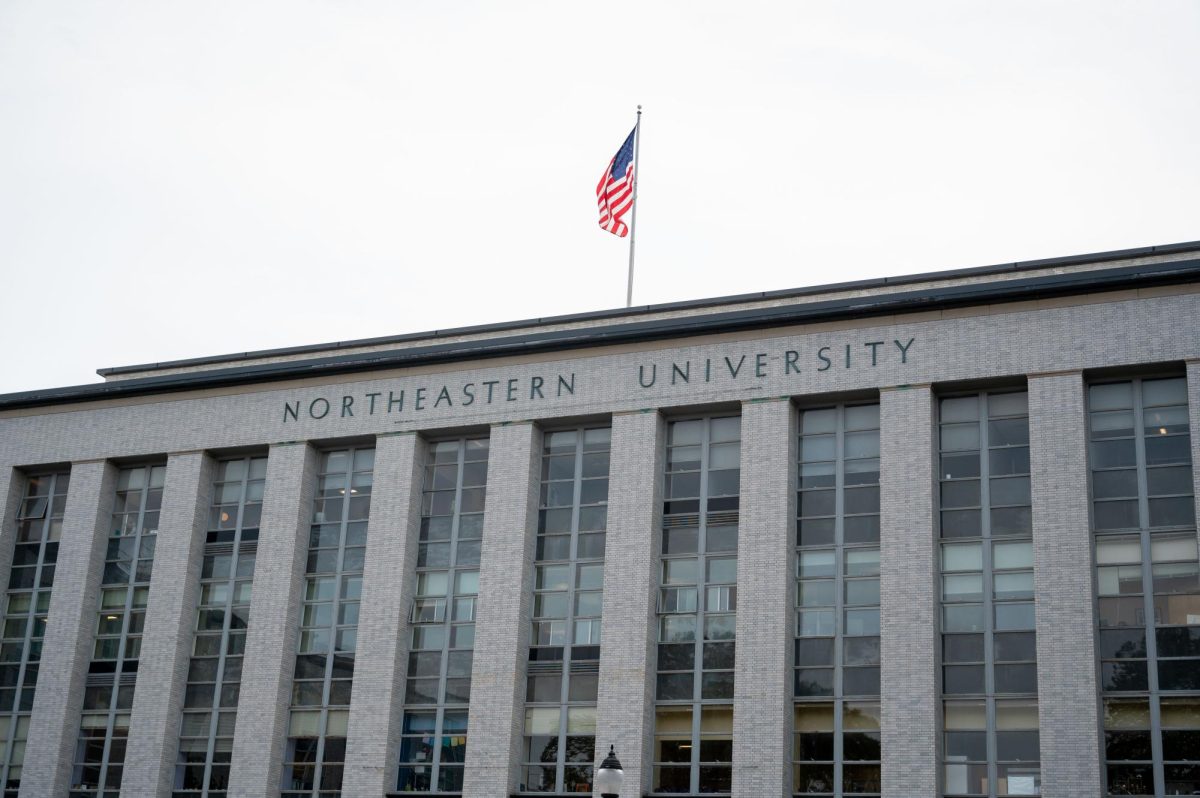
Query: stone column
x,y
908,594
1062,561
381,664
628,629
167,642
274,622
762,710
494,725
70,631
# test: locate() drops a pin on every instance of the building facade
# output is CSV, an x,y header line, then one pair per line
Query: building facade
x,y
930,536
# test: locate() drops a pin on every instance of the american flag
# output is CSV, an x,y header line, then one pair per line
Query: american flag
x,y
614,194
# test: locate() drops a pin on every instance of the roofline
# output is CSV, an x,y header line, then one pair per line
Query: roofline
x,y
994,292
688,304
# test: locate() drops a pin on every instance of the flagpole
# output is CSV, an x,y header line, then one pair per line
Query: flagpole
x,y
637,143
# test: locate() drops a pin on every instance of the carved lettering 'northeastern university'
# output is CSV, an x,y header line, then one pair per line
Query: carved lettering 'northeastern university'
x,y
716,368
867,354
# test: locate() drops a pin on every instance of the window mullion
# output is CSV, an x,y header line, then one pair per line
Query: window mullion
x,y
123,640
989,610
1145,537
839,600
569,632
701,596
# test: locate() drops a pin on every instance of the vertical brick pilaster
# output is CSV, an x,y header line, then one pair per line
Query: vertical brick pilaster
x,y
12,490
762,712
70,630
1062,560
494,726
908,595
1193,383
273,627
381,663
166,645
628,629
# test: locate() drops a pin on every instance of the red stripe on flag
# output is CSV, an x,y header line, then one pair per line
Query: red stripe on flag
x,y
614,198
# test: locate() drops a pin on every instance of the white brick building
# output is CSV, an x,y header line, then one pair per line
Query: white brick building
x,y
911,537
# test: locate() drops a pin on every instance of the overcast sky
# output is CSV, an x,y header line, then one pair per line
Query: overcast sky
x,y
181,179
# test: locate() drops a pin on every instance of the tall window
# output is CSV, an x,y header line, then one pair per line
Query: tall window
x,y
1148,582
124,590
836,686
560,712
989,659
337,545
215,671
39,527
434,743
693,743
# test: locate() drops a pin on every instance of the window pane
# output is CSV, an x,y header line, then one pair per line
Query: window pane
x,y
1013,555
962,557
962,618
816,563
1014,616
1013,585
962,587
1121,549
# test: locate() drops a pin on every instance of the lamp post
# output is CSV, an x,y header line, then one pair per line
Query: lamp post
x,y
609,776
